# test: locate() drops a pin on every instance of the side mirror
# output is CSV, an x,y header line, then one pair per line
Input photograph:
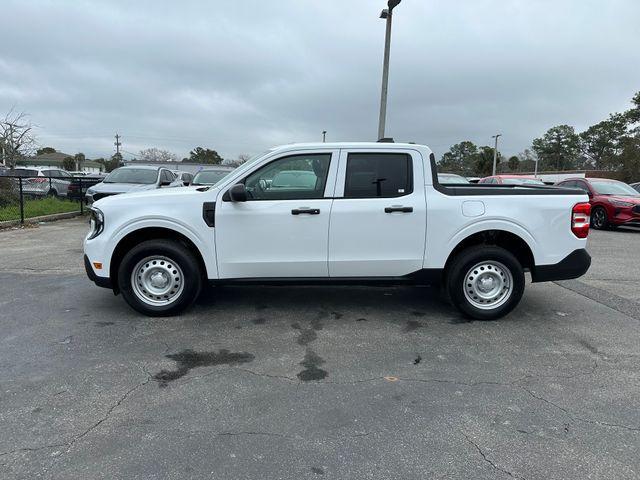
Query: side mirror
x,y
238,193
164,184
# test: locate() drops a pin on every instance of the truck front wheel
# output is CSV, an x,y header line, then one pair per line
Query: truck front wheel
x,y
159,277
485,282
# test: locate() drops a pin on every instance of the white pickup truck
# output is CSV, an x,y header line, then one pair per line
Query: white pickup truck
x,y
350,213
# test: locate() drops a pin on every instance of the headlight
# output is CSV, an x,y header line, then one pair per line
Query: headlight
x,y
96,223
90,191
620,203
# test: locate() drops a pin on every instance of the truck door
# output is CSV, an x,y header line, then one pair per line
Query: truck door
x,y
281,230
378,218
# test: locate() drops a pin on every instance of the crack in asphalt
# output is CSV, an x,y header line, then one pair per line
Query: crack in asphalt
x,y
574,417
69,444
489,461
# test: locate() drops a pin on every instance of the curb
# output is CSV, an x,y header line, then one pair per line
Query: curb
x,y
42,218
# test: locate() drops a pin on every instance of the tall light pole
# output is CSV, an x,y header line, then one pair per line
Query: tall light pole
x,y
324,136
387,15
495,152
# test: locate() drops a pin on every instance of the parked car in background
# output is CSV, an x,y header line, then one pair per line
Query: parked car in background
x,y
512,180
451,178
613,203
209,176
80,183
636,186
131,179
185,178
43,181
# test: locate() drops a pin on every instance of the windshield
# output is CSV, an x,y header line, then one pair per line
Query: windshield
x,y
209,177
613,188
451,178
522,181
143,176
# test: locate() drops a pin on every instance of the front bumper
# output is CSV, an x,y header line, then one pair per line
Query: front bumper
x,y
104,282
573,265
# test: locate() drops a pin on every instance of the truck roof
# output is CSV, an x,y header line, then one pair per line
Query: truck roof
x,y
376,145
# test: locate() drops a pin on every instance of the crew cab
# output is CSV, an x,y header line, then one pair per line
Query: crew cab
x,y
346,213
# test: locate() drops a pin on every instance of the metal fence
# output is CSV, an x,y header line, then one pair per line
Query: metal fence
x,y
22,197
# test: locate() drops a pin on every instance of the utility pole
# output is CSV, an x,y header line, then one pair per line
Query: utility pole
x,y
324,136
495,151
117,144
385,14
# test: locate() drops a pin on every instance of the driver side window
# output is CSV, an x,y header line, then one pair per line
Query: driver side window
x,y
290,178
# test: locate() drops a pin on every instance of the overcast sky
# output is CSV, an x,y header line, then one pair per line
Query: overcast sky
x,y
240,76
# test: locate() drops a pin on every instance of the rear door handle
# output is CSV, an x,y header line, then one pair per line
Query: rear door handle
x,y
398,209
309,211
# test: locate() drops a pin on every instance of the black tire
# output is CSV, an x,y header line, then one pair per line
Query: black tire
x,y
52,193
181,257
456,281
599,218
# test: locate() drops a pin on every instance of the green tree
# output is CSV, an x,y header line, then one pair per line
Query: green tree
x,y
601,143
484,161
630,158
459,159
43,150
513,163
558,149
114,162
204,156
69,164
633,115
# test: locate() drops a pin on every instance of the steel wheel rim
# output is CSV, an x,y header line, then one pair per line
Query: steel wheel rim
x,y
157,280
598,218
488,285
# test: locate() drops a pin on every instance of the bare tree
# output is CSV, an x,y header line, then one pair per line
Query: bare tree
x,y
16,137
242,158
156,155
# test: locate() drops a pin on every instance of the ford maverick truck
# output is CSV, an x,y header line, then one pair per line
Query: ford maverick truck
x,y
345,213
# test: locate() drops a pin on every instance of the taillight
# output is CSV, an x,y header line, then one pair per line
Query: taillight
x,y
580,219
37,180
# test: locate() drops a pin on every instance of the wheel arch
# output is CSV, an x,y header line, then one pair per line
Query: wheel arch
x,y
500,238
149,233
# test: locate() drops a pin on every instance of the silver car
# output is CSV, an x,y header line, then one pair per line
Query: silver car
x,y
132,179
44,181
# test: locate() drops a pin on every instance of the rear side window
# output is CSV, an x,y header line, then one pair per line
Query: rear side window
x,y
384,175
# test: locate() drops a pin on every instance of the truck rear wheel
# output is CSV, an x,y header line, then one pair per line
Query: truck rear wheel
x,y
485,282
159,278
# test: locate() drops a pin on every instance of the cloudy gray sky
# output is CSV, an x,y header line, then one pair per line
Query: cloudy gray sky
x,y
242,75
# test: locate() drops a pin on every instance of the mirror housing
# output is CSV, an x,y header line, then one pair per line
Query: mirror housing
x,y
164,184
238,193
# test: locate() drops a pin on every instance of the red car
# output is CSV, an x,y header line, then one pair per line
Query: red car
x,y
613,203
512,180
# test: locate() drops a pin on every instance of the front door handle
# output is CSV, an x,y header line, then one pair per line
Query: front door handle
x,y
310,211
398,209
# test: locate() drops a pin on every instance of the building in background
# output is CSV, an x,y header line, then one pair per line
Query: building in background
x,y
56,160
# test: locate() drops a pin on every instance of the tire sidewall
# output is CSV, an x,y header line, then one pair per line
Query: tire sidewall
x,y
464,261
192,276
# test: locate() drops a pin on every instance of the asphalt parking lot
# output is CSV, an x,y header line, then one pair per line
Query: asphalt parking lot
x,y
315,382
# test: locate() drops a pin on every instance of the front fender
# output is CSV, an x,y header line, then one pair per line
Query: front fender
x,y
198,238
